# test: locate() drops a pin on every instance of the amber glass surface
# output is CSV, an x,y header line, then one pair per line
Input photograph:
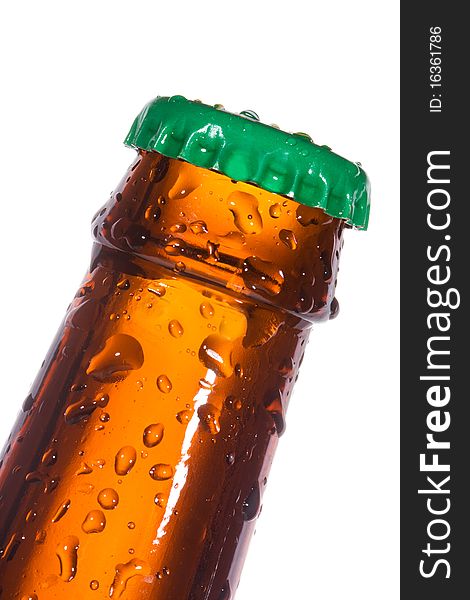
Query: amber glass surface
x,y
137,466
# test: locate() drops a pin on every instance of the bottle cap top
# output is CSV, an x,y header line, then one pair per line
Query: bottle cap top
x,y
244,149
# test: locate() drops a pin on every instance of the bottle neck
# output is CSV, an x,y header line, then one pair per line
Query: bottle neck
x,y
201,224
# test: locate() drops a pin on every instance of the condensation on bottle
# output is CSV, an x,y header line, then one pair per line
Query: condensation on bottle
x,y
138,464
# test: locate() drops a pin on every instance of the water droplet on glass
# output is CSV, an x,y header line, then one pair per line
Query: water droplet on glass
x,y
49,458
184,416
216,354
158,289
51,484
206,385
153,213
122,353
233,403
225,592
123,284
175,328
334,308
78,387
209,416
326,260
198,227
28,403
29,597
273,404
244,208
207,310
94,584
161,472
134,234
275,210
180,266
84,408
61,511
104,417
30,516
8,552
178,228
230,458
94,522
164,384
67,553
175,247
288,238
34,477
262,275
160,500
124,572
153,434
125,460
131,525
212,251
108,498
84,469
98,462
252,503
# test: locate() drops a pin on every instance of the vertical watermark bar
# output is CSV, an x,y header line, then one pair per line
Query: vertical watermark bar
x,y
435,319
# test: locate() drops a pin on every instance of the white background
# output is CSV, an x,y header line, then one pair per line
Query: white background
x,y
74,76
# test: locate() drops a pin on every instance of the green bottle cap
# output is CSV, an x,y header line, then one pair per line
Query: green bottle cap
x,y
244,149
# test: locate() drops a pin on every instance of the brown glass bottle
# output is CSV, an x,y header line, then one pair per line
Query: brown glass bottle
x,y
138,464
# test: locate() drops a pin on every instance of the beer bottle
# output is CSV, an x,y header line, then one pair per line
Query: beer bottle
x,y
137,466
